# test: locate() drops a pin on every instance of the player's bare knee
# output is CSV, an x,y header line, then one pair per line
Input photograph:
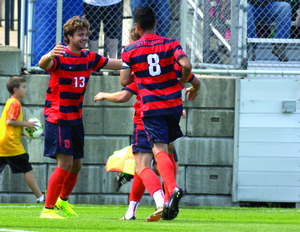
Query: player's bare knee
x,y
76,168
65,166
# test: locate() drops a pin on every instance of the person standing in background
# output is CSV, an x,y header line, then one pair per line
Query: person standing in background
x,y
12,152
109,12
161,11
269,11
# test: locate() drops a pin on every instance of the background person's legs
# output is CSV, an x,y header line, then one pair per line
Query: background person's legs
x,y
112,47
252,13
162,14
281,13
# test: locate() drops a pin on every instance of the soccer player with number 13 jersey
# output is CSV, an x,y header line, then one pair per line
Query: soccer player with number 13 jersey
x,y
152,59
70,69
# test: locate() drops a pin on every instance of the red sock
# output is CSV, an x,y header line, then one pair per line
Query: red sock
x,y
167,194
137,189
69,185
171,156
150,180
55,185
166,170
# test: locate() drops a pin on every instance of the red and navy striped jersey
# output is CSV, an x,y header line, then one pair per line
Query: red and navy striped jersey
x,y
152,59
137,119
133,88
178,71
69,77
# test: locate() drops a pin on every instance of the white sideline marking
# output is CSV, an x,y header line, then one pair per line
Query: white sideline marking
x,y
15,230
19,206
39,206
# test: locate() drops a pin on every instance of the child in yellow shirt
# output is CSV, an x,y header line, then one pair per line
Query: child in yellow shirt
x,y
12,152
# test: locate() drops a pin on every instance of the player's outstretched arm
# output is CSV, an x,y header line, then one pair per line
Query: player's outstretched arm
x,y
117,97
192,92
46,61
114,64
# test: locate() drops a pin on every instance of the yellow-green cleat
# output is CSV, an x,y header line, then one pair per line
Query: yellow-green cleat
x,y
65,207
49,213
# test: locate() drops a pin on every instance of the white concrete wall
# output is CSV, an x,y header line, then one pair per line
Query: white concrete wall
x,y
267,141
205,152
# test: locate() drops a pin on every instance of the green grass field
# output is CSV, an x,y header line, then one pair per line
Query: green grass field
x,y
25,217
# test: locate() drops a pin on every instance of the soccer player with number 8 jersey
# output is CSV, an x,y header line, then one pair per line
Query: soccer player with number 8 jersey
x,y
70,68
152,59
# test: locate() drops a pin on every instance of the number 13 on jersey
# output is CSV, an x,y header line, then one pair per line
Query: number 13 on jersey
x,y
79,82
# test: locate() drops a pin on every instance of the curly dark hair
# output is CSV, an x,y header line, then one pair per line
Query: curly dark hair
x,y
72,25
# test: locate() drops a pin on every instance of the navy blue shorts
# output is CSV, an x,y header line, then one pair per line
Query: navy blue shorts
x,y
63,139
175,155
163,128
140,141
17,164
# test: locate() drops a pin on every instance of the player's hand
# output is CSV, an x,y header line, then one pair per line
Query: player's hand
x,y
191,93
32,125
99,97
58,50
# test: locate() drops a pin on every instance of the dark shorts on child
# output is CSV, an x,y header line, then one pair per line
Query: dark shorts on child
x,y
162,128
17,164
64,139
140,141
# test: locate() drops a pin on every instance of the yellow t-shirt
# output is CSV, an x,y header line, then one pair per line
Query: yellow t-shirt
x,y
10,136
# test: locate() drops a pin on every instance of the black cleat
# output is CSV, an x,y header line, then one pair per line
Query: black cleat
x,y
174,200
165,213
121,179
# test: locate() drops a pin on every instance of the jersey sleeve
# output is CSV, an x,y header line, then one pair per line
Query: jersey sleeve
x,y
133,88
125,58
191,77
178,71
99,62
55,66
178,52
13,110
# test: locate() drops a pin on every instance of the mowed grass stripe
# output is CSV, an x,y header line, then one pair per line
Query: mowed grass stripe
x,y
25,217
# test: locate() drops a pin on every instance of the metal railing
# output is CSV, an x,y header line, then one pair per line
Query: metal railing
x,y
215,44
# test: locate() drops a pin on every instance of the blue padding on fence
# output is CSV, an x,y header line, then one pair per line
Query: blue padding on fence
x,y
44,24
